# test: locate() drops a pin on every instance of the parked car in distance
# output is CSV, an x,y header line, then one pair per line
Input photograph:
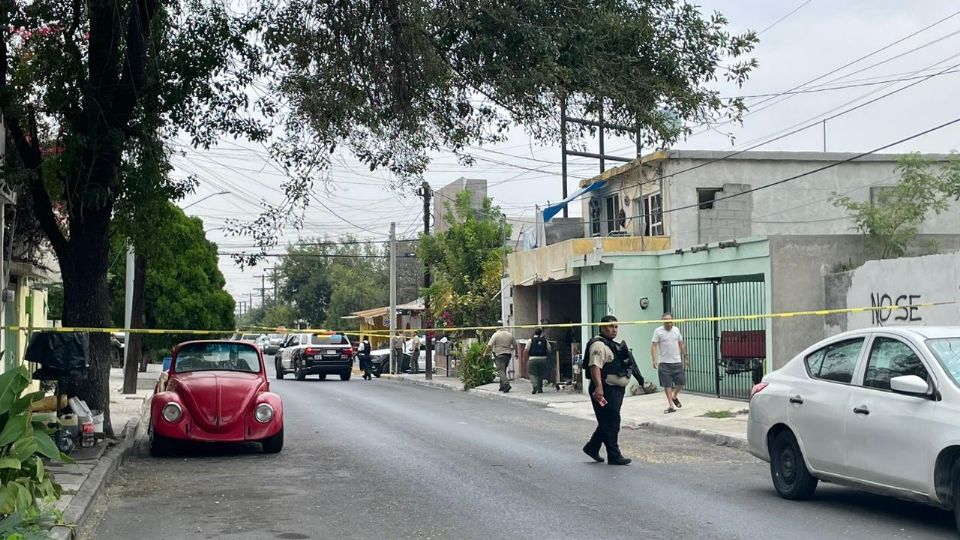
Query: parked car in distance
x,y
380,358
216,391
272,344
875,409
249,338
315,354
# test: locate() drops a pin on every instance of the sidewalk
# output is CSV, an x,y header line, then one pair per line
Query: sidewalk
x,y
82,482
719,421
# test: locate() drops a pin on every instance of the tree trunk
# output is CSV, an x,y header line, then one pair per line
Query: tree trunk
x,y
135,345
86,303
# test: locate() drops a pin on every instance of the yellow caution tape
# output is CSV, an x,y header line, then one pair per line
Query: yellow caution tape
x,y
386,333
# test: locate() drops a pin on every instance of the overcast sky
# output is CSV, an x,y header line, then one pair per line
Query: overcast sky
x,y
817,38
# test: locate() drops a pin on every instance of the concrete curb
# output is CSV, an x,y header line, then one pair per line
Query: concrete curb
x,y
472,391
711,437
93,486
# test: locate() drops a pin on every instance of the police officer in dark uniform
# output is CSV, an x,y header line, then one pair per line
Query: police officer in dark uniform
x,y
609,365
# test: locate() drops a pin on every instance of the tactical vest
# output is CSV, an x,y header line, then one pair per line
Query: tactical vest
x,y
619,365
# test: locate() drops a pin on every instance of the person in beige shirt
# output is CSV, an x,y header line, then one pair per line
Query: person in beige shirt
x,y
415,354
396,343
503,345
609,377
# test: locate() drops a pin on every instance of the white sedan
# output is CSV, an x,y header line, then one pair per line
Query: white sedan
x,y
876,409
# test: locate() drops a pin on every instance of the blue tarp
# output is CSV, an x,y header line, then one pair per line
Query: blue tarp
x,y
555,209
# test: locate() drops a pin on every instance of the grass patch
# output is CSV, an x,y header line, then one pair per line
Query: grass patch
x,y
719,414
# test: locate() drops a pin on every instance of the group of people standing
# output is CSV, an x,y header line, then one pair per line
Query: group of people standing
x,y
610,365
397,344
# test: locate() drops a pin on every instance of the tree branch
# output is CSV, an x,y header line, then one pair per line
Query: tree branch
x,y
134,75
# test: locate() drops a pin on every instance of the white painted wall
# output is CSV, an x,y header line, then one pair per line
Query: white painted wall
x,y
905,282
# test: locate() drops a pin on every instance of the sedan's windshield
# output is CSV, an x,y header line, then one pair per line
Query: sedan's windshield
x,y
947,351
217,357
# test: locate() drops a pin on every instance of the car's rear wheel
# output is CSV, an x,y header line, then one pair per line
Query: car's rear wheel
x,y
160,446
279,368
273,444
791,478
298,373
323,376
345,376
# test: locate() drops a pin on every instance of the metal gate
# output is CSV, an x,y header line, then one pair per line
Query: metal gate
x,y
727,357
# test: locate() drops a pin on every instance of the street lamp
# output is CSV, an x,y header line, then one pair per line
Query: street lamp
x,y
205,198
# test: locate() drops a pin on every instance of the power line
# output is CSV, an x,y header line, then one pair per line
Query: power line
x,y
793,132
846,86
838,69
781,19
874,53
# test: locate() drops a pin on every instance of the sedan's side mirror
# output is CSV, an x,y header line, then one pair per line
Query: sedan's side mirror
x,y
910,385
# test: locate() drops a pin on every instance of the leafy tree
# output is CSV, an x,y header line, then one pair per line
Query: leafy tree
x,y
467,260
327,280
360,278
304,283
278,315
89,91
184,287
892,221
392,81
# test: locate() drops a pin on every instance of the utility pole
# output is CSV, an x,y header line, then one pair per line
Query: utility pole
x,y
250,303
427,281
263,289
393,294
273,278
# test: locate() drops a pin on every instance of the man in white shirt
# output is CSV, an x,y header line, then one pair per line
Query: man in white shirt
x,y
670,355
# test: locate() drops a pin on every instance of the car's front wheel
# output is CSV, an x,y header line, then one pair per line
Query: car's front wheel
x,y
791,478
273,444
279,368
160,446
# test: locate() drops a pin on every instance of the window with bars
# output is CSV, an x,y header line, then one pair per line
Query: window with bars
x,y
594,217
613,212
653,215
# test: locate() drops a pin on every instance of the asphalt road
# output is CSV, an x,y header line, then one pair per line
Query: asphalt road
x,y
384,459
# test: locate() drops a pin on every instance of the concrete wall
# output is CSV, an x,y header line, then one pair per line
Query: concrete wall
x,y
728,218
447,195
525,305
892,283
799,266
798,207
559,229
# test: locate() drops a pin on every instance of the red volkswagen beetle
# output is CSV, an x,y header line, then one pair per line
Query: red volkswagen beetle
x,y
216,391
